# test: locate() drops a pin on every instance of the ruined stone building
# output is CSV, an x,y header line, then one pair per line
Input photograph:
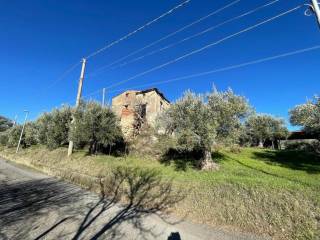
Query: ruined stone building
x,y
149,103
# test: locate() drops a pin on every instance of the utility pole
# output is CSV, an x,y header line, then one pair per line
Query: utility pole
x,y
70,148
21,134
103,96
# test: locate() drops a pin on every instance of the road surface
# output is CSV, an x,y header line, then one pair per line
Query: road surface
x,y
36,206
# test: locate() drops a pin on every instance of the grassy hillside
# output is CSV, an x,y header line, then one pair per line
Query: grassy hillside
x,y
266,192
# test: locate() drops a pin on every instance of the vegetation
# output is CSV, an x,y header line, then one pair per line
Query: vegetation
x,y
260,128
5,123
268,192
307,115
94,126
198,121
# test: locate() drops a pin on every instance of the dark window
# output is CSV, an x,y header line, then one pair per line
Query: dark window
x,y
143,110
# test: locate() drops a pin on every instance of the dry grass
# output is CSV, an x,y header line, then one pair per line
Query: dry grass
x,y
270,193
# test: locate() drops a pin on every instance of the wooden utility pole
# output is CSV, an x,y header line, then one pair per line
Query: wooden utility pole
x,y
103,96
21,134
70,148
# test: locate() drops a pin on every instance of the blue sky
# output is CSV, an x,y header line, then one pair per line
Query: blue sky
x,y
41,39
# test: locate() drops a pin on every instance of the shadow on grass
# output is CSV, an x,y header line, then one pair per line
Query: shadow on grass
x,y
182,160
293,159
24,206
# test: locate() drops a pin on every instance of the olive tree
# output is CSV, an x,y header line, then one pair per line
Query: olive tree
x,y
94,125
53,127
307,115
230,110
198,121
265,127
14,135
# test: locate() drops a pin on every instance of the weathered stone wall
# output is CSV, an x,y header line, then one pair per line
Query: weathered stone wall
x,y
124,104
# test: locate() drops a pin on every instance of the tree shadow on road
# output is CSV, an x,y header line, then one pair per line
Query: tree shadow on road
x,y
144,192
25,200
132,193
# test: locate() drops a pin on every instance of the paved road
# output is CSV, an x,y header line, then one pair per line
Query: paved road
x,y
36,206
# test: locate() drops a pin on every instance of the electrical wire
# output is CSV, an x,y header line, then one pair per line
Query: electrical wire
x,y
261,60
166,37
205,47
62,76
197,34
137,30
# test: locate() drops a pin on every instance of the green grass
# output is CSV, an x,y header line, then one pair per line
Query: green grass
x,y
271,193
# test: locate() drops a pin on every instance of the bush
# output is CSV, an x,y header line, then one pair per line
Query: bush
x,y
312,147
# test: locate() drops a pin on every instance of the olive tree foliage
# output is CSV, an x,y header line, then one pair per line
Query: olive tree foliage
x,y
230,110
261,128
11,136
307,115
53,127
14,135
4,136
94,125
198,121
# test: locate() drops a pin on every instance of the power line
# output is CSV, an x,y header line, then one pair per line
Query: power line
x,y
63,75
205,47
261,60
168,36
137,30
197,34
217,70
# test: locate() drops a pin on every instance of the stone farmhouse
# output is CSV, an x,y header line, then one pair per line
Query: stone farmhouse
x,y
149,102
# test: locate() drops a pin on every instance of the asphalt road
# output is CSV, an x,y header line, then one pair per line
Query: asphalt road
x,y
36,206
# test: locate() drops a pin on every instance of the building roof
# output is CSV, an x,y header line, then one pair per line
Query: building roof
x,y
146,91
153,89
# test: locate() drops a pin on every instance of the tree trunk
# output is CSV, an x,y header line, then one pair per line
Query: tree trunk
x,y
272,144
206,163
260,143
109,149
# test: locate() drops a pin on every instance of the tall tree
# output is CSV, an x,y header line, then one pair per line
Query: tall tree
x,y
197,121
94,125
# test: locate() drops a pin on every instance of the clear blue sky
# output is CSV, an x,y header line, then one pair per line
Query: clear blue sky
x,y
41,39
